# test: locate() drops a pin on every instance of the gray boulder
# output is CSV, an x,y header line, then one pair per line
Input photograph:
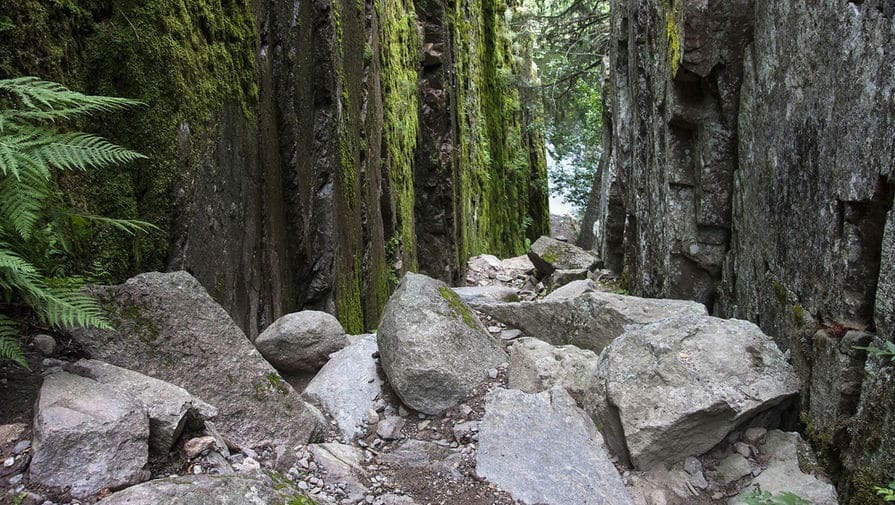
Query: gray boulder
x,y
168,327
548,254
301,341
791,468
475,295
432,347
537,366
677,387
87,436
543,449
560,278
590,320
170,408
347,386
201,490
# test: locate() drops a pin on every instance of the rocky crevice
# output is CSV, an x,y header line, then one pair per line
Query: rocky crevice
x,y
753,181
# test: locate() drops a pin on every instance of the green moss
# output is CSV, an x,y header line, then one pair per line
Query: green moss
x,y
779,291
799,314
399,63
673,34
185,60
458,307
276,383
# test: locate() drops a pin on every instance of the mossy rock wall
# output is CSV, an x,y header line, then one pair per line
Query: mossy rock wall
x,y
292,163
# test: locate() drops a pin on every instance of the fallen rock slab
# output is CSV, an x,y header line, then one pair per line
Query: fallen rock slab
x,y
88,436
170,408
475,295
589,321
573,289
201,490
432,347
301,341
542,449
168,327
426,456
348,385
791,468
537,366
678,387
548,254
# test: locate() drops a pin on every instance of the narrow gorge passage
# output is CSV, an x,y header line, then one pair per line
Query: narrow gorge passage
x,y
541,252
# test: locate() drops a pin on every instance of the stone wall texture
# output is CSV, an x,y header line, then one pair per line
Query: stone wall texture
x,y
750,165
302,154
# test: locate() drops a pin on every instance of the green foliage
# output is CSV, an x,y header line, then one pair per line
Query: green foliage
x,y
759,497
886,493
34,219
887,352
571,39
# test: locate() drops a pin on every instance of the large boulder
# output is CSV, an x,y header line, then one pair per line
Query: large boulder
x,y
792,468
88,436
168,327
549,254
537,366
202,490
432,347
590,320
346,387
678,387
170,408
543,449
301,341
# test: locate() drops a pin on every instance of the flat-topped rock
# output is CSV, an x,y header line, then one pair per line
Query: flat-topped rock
x,y
542,449
537,366
678,387
548,254
590,320
88,436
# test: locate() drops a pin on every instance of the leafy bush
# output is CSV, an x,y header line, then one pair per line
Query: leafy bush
x,y
34,217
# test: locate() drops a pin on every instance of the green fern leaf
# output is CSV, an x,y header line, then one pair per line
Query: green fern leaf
x,y
9,344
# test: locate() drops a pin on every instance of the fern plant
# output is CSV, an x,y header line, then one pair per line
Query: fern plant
x,y
33,151
759,497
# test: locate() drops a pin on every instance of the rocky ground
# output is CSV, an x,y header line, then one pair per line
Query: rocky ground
x,y
533,385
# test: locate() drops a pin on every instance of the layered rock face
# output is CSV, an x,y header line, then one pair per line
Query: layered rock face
x,y
302,155
749,165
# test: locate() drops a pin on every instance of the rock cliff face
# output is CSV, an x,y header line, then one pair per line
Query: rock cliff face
x,y
302,154
749,165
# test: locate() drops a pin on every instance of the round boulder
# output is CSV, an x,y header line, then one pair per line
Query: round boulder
x,y
301,341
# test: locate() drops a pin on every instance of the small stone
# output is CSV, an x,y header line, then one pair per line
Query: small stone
x,y
21,447
195,447
390,428
372,416
510,334
492,373
743,449
303,485
9,462
692,465
15,479
717,495
45,344
423,425
465,410
754,435
197,470
402,411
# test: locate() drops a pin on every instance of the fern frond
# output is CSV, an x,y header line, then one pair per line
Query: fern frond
x,y
67,308
22,201
9,343
9,260
80,151
44,100
129,226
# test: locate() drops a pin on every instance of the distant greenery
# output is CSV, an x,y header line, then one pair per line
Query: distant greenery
x,y
759,497
38,227
571,38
